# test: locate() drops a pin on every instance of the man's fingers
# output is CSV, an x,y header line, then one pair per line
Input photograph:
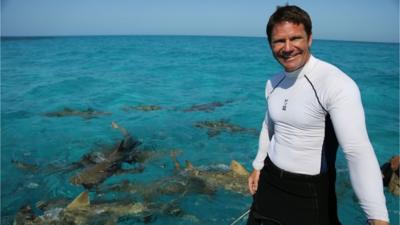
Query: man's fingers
x,y
255,185
255,188
250,183
253,181
252,186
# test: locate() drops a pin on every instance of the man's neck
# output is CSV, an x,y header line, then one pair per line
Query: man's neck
x,y
299,70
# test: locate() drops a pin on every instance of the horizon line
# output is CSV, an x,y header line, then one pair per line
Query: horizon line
x,y
182,35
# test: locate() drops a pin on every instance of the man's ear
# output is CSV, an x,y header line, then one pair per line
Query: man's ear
x,y
309,41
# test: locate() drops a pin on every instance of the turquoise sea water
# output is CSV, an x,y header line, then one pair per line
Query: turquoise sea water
x,y
40,75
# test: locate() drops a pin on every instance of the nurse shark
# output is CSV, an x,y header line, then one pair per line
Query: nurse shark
x,y
82,212
215,127
186,180
207,107
233,179
98,166
88,113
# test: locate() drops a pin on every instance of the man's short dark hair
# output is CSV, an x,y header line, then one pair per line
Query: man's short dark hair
x,y
289,13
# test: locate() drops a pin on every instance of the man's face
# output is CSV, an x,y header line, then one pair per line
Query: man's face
x,y
290,45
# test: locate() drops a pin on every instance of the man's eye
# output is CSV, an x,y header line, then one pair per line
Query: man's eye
x,y
279,41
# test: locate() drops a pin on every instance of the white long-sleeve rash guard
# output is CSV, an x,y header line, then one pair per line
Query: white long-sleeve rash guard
x,y
293,130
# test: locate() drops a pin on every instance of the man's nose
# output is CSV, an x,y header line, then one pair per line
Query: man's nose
x,y
288,46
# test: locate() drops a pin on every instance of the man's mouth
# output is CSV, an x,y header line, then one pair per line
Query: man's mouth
x,y
289,55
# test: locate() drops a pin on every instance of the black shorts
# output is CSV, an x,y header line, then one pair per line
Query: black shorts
x,y
285,198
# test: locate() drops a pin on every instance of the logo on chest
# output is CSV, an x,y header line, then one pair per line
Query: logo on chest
x,y
285,104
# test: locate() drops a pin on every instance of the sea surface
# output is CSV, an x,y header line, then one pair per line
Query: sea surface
x,y
115,74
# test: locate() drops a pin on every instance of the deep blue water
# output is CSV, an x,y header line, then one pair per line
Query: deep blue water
x,y
108,73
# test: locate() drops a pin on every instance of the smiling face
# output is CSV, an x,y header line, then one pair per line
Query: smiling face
x,y
290,45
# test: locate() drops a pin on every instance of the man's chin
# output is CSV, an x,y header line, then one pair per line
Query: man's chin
x,y
290,67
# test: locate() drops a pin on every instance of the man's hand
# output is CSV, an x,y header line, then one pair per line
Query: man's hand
x,y
253,181
377,222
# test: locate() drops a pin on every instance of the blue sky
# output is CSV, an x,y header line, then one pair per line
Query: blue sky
x,y
359,20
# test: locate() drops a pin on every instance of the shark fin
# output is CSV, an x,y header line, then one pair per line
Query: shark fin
x,y
237,168
114,125
81,201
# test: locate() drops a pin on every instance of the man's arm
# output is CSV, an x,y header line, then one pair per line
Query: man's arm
x,y
263,143
258,162
347,114
267,131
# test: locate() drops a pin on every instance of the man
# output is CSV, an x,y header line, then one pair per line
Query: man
x,y
293,181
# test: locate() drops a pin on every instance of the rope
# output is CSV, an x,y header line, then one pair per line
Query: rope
x,y
240,217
